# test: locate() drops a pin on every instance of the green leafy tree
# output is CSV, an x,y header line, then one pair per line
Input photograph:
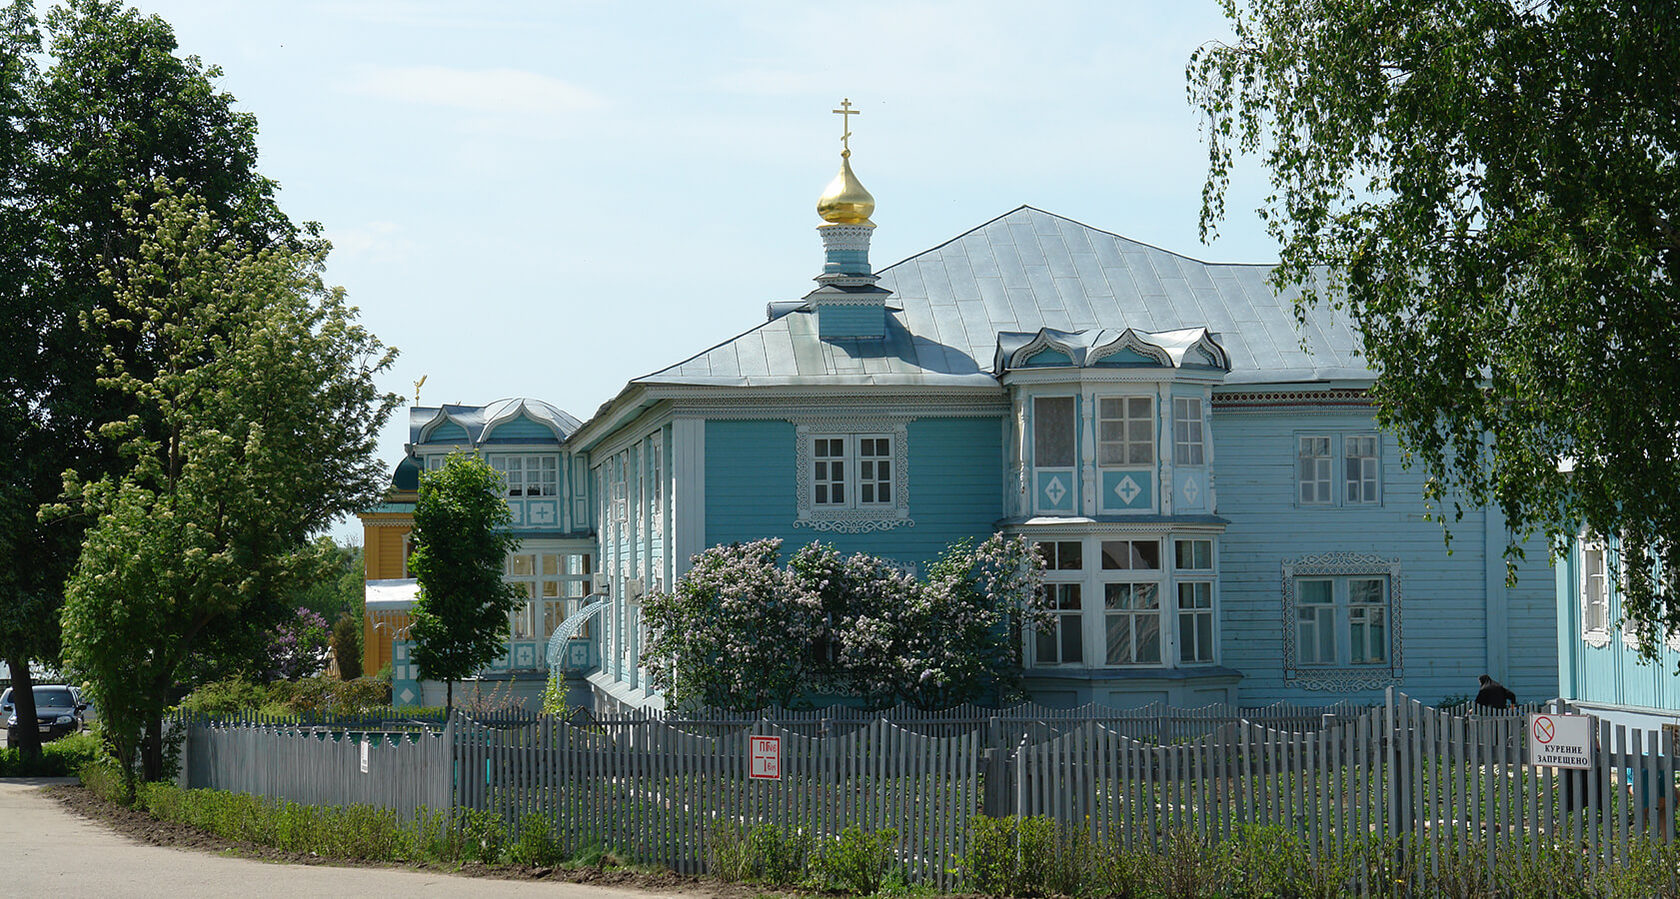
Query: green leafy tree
x,y
1493,190
107,103
461,542
256,421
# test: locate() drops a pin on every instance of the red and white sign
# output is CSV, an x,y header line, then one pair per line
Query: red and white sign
x,y
766,758
1560,741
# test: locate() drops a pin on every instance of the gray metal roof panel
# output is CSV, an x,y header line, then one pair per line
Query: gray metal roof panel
x,y
1028,270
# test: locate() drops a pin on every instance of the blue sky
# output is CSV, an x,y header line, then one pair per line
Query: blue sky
x,y
549,199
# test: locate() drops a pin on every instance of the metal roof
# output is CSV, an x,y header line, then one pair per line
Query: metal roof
x,y
480,421
1021,272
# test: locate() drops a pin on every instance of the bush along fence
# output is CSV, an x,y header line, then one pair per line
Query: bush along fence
x,y
1441,793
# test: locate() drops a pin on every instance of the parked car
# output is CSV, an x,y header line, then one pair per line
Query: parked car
x,y
58,711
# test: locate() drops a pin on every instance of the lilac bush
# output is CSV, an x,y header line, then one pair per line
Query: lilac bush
x,y
298,648
742,632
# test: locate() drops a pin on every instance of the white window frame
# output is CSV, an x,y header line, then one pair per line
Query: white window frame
x,y
1061,584
1367,482
1342,569
1189,437
1199,577
656,481
1118,452
1133,576
1323,474
536,471
1130,562
854,513
1346,617
1595,591
854,484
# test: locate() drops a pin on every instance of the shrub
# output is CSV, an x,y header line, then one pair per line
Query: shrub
x,y
536,844
228,696
761,854
1027,857
1186,868
856,862
60,758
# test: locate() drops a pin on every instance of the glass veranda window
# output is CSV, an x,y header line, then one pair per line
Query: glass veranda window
x,y
1053,425
1187,431
1126,430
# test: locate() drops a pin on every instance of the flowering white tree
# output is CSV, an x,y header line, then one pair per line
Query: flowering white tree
x,y
742,632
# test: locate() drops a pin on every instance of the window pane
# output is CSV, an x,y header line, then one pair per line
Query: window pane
x,y
521,565
1146,555
1366,591
1126,555
1053,431
1149,639
1120,640
1193,555
1073,642
1316,592
1069,555
1125,431
1045,645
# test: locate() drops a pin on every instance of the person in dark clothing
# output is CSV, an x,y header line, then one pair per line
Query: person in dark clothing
x,y
1494,695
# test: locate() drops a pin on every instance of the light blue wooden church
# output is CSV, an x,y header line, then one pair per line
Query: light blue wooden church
x,y
1221,517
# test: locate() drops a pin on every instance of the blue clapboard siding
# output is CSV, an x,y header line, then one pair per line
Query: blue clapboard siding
x,y
1613,674
955,478
447,432
1444,596
851,321
521,430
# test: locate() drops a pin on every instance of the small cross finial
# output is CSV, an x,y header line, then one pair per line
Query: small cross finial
x,y
846,112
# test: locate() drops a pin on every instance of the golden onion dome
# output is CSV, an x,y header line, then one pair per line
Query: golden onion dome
x,y
844,201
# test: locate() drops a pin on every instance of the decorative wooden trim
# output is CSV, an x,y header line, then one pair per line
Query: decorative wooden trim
x,y
1342,678
854,520
1291,399
906,409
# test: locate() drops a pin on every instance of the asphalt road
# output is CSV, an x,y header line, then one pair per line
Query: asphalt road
x,y
51,851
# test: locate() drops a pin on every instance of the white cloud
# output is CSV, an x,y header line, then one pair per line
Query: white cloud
x,y
504,91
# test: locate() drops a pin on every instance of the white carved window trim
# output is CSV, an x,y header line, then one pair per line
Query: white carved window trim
x,y
1595,632
853,517
1341,678
656,482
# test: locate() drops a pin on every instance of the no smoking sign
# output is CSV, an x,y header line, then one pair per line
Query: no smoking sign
x,y
1560,741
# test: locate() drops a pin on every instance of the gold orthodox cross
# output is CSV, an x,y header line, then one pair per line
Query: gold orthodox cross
x,y
846,112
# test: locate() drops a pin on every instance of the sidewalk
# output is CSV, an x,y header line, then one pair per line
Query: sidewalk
x,y
53,852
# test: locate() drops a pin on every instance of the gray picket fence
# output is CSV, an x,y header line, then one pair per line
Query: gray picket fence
x,y
1443,787
401,770
663,790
